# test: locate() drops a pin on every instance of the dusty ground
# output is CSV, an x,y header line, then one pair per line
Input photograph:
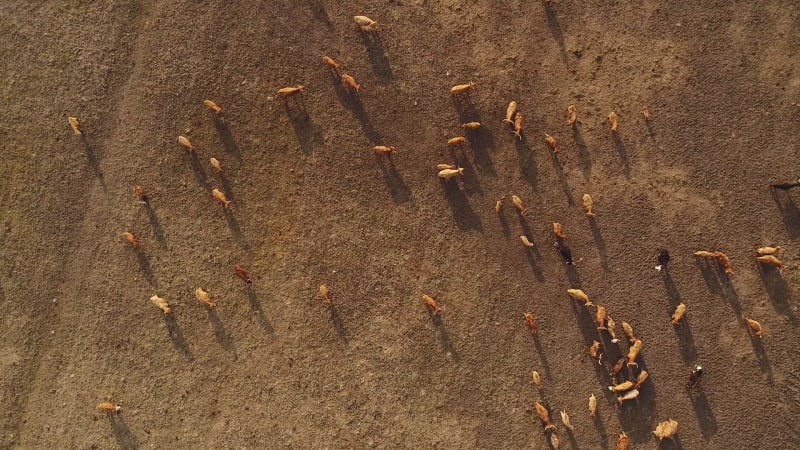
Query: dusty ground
x,y
273,367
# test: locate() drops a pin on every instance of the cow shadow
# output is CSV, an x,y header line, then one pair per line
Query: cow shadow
x,y
709,269
443,336
719,283
338,325
465,107
573,443
584,158
226,137
599,242
527,162
651,132
586,323
472,183
144,266
778,291
673,294
600,426
504,224
236,230
669,444
556,31
481,139
686,340
705,415
176,335
125,438
226,187
377,55
255,307
562,178
198,170
398,189
761,356
530,254
465,217
351,100
93,158
155,224
307,132
481,142
789,211
319,13
222,336
622,151
572,275
729,292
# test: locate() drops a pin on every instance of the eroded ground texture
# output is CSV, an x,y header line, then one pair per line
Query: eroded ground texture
x,y
272,366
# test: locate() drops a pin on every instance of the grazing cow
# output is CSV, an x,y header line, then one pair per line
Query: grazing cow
x,y
663,259
695,377
565,252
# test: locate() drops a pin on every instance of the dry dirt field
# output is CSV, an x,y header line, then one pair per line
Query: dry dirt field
x,y
274,367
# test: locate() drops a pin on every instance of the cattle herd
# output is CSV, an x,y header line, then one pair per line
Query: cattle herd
x,y
623,370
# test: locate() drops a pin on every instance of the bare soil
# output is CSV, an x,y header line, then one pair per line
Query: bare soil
x,y
272,366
